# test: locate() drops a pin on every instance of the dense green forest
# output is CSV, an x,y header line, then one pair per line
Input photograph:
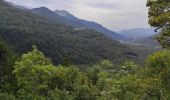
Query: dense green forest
x,y
62,43
33,76
38,60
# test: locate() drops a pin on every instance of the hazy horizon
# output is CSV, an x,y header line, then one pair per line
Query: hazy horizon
x,y
116,15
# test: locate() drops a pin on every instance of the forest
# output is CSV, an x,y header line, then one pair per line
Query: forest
x,y
22,29
38,60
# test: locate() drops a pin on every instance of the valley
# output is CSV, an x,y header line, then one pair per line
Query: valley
x,y
51,54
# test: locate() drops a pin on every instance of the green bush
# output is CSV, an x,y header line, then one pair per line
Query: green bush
x,y
159,60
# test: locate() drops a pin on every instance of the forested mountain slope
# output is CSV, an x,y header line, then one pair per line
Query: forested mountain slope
x,y
69,19
89,24
48,14
62,43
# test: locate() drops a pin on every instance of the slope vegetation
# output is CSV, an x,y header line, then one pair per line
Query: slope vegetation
x,y
62,43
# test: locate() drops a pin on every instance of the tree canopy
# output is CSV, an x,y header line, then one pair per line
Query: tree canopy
x,y
35,77
159,17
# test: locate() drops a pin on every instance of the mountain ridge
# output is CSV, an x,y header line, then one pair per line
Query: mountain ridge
x,y
91,25
47,13
64,17
17,6
70,19
62,43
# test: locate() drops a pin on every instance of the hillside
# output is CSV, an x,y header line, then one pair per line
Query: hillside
x,y
137,34
62,43
48,14
89,24
69,19
150,41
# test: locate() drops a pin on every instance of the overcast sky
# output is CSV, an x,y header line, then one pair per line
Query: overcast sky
x,y
113,14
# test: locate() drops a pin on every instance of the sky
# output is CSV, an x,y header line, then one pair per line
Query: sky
x,y
113,14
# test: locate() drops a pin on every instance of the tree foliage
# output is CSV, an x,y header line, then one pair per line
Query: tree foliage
x,y
38,78
7,60
159,17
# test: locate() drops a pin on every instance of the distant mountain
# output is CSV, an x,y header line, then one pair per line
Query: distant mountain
x,y
88,24
141,36
17,6
47,13
62,43
136,34
74,21
64,17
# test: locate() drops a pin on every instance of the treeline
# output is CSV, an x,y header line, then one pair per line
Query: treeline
x,y
34,77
